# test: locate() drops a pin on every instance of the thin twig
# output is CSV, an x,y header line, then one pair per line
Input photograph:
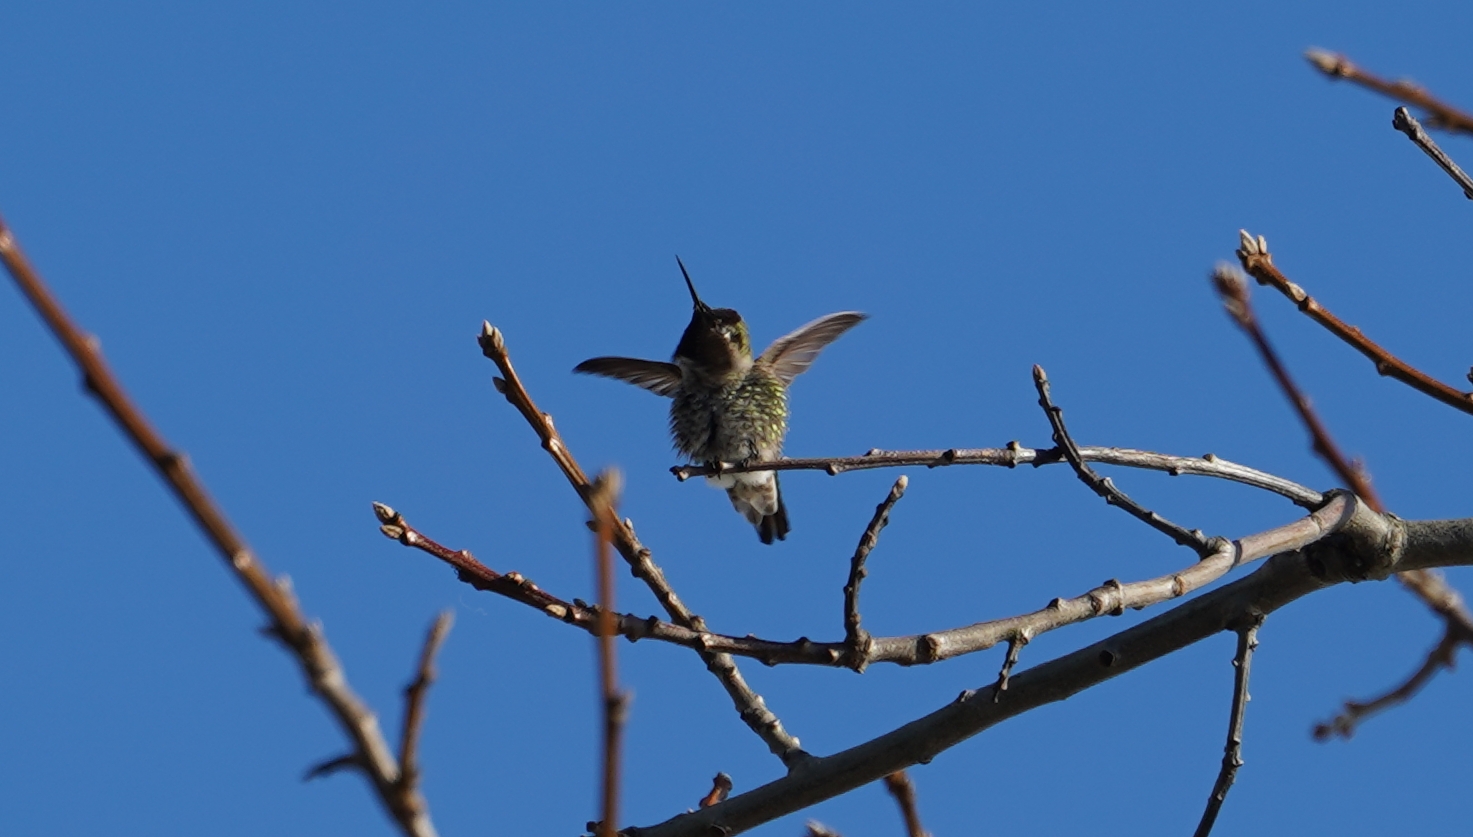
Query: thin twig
x,y
1403,121
1014,454
900,787
1442,655
1254,255
1234,292
604,497
1111,598
303,638
1015,647
857,640
414,697
1104,486
749,705
1439,115
1232,753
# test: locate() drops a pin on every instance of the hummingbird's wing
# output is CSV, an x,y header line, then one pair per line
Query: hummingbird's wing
x,y
790,356
659,378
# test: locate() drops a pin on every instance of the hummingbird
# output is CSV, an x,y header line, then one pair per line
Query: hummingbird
x,y
727,407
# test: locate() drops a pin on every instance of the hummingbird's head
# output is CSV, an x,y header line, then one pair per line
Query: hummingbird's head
x,y
715,343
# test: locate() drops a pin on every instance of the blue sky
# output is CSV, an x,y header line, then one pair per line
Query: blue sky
x,y
286,223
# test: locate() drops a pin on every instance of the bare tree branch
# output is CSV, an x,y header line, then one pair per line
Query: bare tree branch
x,y
857,641
1427,586
1111,598
1256,260
1234,292
1004,674
1102,485
1368,545
1441,656
749,705
1403,121
1015,454
1232,754
303,638
414,697
604,496
1440,115
900,787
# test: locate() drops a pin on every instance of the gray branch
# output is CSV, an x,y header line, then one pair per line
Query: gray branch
x,y
1362,546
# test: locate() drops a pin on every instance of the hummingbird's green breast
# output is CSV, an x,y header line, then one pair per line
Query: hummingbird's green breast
x,y
735,421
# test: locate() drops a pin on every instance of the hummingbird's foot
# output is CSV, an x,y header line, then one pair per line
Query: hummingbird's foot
x,y
718,476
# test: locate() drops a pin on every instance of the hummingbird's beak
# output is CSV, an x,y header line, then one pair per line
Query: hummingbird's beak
x,y
700,306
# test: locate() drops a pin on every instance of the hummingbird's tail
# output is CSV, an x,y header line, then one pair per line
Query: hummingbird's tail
x,y
775,524
757,496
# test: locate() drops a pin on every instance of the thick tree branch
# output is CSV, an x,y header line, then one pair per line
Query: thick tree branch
x,y
1427,586
301,637
1232,754
1104,487
1439,115
1254,255
1015,454
1403,121
749,705
1368,545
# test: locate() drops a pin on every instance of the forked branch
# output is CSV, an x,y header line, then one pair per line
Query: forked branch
x,y
301,637
1103,486
749,705
858,643
1109,599
1434,592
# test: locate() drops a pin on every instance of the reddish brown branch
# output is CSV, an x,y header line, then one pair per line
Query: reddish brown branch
x,y
1256,260
900,787
604,496
1427,586
1441,656
749,705
1439,115
1234,293
300,636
